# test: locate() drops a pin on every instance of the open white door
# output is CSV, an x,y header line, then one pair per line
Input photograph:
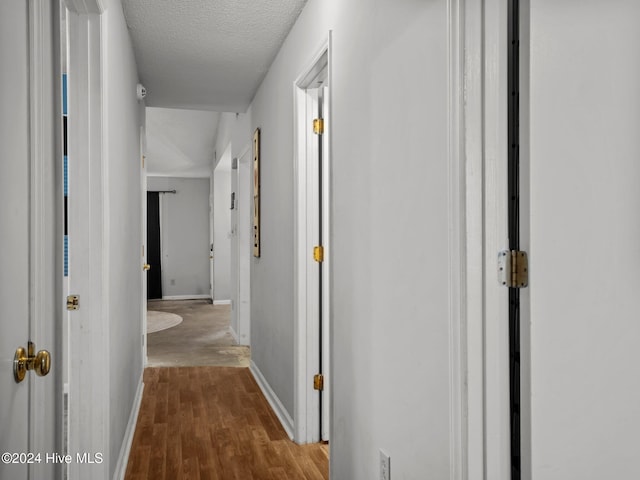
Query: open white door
x,y
584,240
28,215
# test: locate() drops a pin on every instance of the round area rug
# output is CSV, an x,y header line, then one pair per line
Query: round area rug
x,y
157,321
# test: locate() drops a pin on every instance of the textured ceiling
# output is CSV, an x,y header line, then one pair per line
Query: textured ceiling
x,y
180,143
206,54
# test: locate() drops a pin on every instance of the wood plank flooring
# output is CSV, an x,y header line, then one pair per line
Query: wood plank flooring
x,y
202,423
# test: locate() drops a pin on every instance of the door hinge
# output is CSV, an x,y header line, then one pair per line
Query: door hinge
x,y
73,302
318,382
318,253
318,126
513,268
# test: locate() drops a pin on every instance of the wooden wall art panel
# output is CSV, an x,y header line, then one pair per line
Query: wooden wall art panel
x,y
256,193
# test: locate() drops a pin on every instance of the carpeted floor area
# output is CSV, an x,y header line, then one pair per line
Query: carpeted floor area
x,y
213,423
202,338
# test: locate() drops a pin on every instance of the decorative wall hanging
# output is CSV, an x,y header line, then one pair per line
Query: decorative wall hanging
x,y
256,193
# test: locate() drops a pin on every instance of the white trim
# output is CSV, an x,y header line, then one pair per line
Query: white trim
x,y
306,325
457,243
187,297
495,238
486,302
300,285
44,225
211,216
89,409
86,6
325,429
474,207
125,449
274,401
222,302
144,229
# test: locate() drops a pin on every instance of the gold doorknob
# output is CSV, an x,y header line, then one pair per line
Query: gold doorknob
x,y
29,360
146,266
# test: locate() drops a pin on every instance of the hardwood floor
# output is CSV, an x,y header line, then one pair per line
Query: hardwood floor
x,y
214,423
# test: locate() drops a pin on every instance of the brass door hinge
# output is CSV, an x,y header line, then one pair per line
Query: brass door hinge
x,y
513,268
318,382
318,126
73,302
318,253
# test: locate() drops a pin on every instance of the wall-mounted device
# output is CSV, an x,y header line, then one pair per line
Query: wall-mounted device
x,y
141,92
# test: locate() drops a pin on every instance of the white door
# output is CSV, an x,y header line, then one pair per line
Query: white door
x,y
584,249
27,220
14,218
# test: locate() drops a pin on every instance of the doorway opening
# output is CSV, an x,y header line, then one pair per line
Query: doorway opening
x,y
313,251
154,274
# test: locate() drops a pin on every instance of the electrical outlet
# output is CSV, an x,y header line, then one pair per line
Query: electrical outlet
x,y
385,466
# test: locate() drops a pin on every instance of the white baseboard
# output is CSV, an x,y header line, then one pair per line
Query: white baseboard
x,y
234,335
186,297
125,449
274,401
222,302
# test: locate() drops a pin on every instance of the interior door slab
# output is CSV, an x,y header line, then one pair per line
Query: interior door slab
x,y
14,222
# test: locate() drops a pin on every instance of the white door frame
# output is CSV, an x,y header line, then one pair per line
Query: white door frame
x,y
88,224
484,37
306,326
45,116
212,277
143,190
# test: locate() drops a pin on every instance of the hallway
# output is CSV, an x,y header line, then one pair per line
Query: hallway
x,y
203,415
214,423
475,169
202,338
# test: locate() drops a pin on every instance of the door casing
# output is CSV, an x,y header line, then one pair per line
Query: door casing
x,y
306,296
88,405
484,61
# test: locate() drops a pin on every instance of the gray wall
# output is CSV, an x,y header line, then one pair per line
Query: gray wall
x,y
221,235
124,231
222,228
184,225
234,133
390,246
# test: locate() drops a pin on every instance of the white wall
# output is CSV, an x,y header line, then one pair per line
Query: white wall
x,y
233,138
222,228
391,312
124,229
180,143
390,231
184,225
233,239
